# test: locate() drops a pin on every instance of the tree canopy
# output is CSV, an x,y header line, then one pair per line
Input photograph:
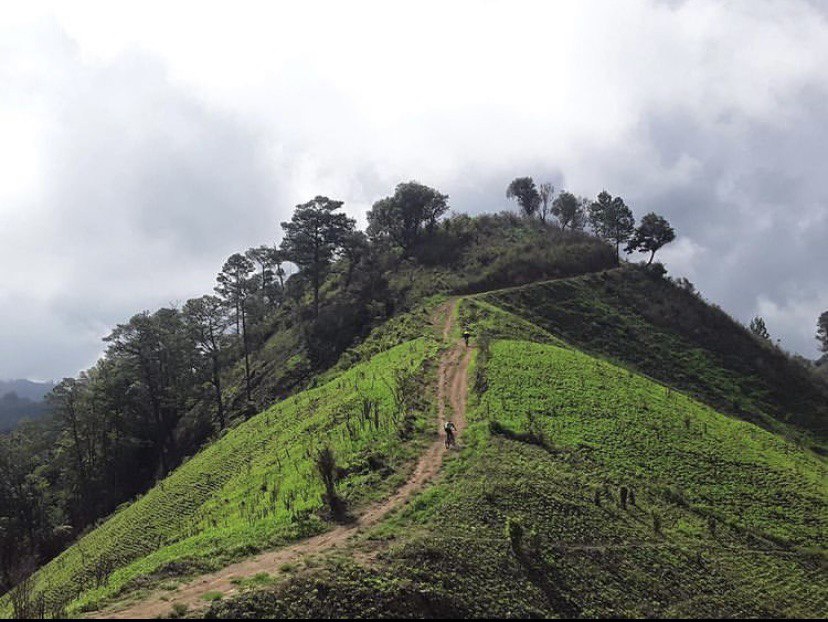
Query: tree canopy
x,y
569,210
234,286
403,217
546,192
524,191
313,238
653,233
822,332
758,328
612,220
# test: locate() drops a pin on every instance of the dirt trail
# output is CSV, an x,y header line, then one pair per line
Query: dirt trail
x,y
452,384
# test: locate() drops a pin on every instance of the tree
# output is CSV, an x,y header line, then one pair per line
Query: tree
x,y
355,246
545,191
262,257
524,191
153,351
277,259
314,237
758,328
65,403
234,287
612,220
822,332
404,217
206,320
569,210
653,233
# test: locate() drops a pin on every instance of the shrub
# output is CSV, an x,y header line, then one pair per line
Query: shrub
x,y
514,532
327,469
179,610
656,523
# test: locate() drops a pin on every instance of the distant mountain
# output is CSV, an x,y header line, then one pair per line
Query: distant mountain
x,y
27,389
21,399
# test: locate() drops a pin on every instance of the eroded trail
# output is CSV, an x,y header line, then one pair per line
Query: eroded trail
x,y
452,384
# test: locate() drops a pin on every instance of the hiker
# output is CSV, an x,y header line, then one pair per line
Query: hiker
x,y
466,336
449,427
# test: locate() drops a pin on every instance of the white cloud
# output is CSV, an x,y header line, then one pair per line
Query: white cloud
x,y
145,141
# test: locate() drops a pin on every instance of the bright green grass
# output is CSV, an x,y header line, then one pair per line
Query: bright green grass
x,y
488,321
255,487
641,431
605,427
678,339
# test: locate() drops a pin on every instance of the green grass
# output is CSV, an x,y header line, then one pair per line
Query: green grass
x,y
257,486
636,430
673,336
728,519
741,512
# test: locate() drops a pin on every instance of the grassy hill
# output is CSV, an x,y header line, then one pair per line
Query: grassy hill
x,y
720,517
465,255
621,460
671,335
257,486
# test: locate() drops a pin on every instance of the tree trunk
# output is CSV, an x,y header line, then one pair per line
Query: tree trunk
x,y
217,387
246,353
316,294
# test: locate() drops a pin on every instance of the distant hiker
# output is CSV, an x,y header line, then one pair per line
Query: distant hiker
x,y
466,336
449,427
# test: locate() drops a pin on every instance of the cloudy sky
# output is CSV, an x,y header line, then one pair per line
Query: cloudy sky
x,y
142,143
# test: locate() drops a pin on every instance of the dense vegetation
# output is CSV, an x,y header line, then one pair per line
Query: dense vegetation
x,y
257,486
583,489
172,380
21,400
14,409
669,333
302,397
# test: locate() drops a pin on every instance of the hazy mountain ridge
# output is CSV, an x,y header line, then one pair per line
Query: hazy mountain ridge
x,y
26,389
22,400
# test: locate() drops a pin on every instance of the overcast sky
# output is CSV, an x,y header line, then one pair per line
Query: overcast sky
x,y
141,144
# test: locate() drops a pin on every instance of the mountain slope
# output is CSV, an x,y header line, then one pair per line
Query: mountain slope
x,y
26,389
721,517
257,486
673,336
582,488
21,400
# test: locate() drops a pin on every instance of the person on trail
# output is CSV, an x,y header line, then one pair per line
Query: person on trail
x,y
450,428
466,336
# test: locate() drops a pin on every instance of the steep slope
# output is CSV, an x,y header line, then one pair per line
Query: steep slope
x,y
451,397
583,489
257,486
673,336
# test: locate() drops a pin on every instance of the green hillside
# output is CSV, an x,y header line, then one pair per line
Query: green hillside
x,y
720,518
582,488
672,335
257,486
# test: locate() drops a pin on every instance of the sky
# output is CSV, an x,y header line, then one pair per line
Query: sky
x,y
143,143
